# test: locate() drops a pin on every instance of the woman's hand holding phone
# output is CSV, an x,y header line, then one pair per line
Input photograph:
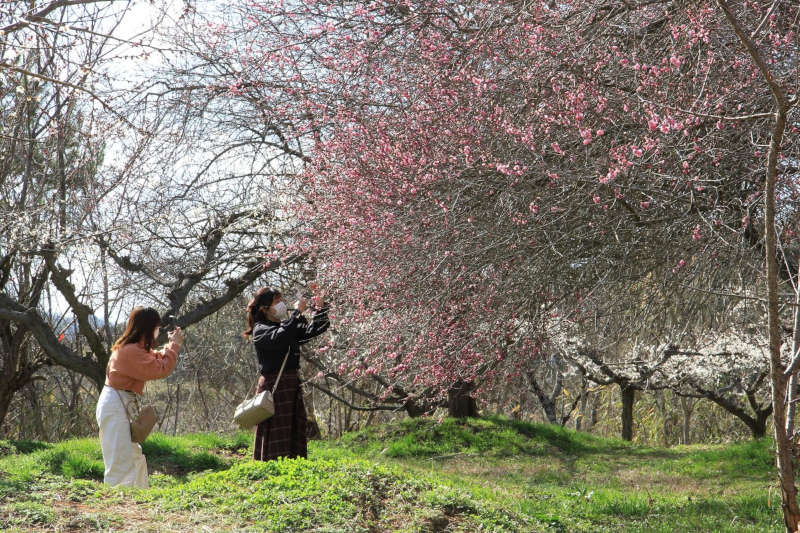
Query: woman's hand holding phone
x,y
301,305
176,335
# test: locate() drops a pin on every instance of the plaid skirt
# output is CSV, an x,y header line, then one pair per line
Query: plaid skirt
x,y
284,434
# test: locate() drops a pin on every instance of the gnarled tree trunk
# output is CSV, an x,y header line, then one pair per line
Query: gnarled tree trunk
x,y
628,395
460,403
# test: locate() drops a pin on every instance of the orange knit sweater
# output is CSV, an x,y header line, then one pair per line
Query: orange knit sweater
x,y
131,365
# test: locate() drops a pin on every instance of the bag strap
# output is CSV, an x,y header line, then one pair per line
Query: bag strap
x,y
252,390
274,388
127,413
255,385
135,399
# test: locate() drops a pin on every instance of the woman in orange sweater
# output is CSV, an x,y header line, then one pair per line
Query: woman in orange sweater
x,y
132,362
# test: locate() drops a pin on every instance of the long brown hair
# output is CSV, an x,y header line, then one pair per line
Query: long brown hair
x,y
263,297
142,324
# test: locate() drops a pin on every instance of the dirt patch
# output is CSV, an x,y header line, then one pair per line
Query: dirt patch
x,y
129,516
503,469
643,480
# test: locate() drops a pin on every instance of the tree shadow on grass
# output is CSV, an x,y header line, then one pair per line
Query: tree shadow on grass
x,y
23,446
163,456
745,461
693,511
73,464
575,443
10,487
495,436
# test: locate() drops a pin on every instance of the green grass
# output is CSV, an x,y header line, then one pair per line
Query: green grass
x,y
497,436
490,474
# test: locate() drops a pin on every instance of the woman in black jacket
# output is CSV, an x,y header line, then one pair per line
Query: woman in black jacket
x,y
277,335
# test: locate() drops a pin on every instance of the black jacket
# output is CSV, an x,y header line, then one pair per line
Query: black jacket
x,y
273,339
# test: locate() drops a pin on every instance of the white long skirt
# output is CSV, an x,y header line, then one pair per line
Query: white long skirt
x,y
125,464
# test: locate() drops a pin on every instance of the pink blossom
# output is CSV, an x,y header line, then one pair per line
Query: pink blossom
x,y
448,142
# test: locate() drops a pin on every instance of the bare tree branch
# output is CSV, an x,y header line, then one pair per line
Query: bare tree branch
x,y
43,333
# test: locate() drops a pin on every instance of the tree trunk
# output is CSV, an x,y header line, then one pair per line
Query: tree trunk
x,y
687,407
6,394
782,407
459,402
177,408
663,411
35,420
549,408
758,427
413,409
313,431
330,410
348,413
312,426
581,409
548,402
628,397
17,372
757,424
783,443
594,416
785,462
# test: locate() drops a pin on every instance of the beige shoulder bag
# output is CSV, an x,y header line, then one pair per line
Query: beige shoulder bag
x,y
260,407
143,424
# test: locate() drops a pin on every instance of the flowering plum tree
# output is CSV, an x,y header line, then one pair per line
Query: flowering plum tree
x,y
477,163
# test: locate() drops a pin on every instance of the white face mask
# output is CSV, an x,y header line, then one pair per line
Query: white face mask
x,y
280,311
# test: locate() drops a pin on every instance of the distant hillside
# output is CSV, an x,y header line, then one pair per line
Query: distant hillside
x,y
70,328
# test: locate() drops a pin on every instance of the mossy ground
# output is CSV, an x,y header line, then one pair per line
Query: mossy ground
x,y
489,474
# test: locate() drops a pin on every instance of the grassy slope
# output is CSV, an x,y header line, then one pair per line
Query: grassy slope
x,y
480,474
